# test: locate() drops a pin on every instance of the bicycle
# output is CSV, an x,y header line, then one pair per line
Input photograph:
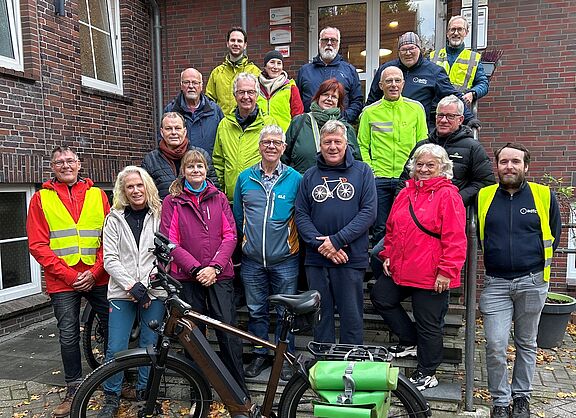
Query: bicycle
x,y
178,387
343,189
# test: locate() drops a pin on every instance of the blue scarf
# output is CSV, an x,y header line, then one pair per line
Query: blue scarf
x,y
192,189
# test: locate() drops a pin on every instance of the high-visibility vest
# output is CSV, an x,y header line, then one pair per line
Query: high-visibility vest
x,y
463,70
541,195
69,240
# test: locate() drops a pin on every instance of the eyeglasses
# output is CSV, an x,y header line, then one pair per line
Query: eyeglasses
x,y
409,50
327,41
390,81
60,163
276,143
460,30
193,83
334,97
450,116
250,93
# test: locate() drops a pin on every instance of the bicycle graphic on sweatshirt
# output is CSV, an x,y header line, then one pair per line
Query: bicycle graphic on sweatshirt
x,y
343,190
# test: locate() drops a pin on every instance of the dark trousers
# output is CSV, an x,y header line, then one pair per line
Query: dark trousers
x,y
429,309
385,192
66,307
217,301
341,290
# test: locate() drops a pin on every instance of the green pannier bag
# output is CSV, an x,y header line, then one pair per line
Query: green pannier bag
x,y
365,405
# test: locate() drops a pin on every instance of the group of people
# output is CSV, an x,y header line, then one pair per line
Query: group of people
x,y
242,174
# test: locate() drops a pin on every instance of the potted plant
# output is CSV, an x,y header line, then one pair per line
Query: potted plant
x,y
558,308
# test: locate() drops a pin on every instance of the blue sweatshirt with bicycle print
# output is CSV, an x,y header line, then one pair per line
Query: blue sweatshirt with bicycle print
x,y
339,202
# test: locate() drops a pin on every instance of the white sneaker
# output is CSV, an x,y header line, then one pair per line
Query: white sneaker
x,y
400,350
423,382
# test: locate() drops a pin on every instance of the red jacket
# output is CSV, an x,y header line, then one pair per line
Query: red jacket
x,y
60,276
417,258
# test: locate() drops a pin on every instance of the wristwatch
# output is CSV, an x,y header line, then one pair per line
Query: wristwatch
x,y
218,269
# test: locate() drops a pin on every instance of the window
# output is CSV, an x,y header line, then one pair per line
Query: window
x,y
19,272
100,45
10,35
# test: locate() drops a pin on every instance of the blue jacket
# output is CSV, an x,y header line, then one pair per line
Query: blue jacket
x,y
480,83
425,82
265,220
311,75
201,125
513,236
339,202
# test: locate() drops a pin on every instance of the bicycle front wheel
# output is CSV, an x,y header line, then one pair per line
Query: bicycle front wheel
x,y
296,400
183,391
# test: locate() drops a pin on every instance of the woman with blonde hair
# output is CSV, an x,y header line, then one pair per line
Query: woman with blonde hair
x,y
128,235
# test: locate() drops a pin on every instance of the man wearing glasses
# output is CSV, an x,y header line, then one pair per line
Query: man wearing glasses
x,y
64,227
237,137
425,82
201,114
264,213
330,64
462,65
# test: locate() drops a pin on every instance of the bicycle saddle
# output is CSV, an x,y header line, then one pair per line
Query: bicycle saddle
x,y
300,304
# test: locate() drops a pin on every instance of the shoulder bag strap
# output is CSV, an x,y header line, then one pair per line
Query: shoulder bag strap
x,y
419,225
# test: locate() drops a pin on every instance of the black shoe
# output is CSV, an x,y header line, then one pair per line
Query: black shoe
x,y
287,372
110,407
500,412
521,407
256,366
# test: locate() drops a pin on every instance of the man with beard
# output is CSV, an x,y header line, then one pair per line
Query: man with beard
x,y
201,114
462,65
330,64
219,87
519,227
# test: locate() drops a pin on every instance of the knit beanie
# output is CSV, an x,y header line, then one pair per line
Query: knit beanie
x,y
271,55
409,38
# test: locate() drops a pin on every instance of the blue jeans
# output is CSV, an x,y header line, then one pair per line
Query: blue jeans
x,y
385,192
502,301
260,282
66,307
121,319
341,290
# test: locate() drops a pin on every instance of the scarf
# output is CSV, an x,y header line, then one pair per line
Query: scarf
x,y
193,190
324,115
173,155
271,85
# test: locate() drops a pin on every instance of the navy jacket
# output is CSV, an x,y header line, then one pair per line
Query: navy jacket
x,y
424,81
339,202
311,75
513,236
201,125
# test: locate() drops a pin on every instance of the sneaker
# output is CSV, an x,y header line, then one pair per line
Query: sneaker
x,y
63,410
287,371
110,407
257,365
422,381
500,412
400,350
521,407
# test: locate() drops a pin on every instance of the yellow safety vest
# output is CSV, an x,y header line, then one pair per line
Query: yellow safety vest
x,y
541,195
72,241
463,70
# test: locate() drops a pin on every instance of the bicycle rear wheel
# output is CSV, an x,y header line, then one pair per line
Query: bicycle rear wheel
x,y
93,340
183,391
296,400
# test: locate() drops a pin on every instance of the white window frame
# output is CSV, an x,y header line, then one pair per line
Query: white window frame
x,y
15,25
34,287
114,19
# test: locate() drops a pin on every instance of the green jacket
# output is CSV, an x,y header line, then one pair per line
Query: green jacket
x,y
387,133
278,104
219,87
235,150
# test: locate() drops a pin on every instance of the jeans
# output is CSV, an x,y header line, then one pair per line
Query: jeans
x,y
66,307
502,301
260,282
429,309
341,290
120,321
375,262
385,192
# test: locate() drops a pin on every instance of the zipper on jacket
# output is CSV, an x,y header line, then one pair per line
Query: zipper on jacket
x,y
511,200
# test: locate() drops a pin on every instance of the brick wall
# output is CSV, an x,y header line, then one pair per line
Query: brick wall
x,y
46,105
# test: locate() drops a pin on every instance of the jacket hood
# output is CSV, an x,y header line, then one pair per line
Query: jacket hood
x,y
318,61
348,161
430,185
462,132
241,61
54,184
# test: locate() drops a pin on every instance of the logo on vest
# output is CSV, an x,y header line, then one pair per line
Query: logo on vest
x,y
525,211
420,80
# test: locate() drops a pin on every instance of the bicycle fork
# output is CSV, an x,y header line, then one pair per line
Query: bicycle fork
x,y
158,359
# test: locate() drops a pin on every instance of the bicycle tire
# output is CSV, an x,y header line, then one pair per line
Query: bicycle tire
x,y
183,390
295,401
93,342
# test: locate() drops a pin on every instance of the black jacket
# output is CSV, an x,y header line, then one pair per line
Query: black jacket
x,y
472,167
162,173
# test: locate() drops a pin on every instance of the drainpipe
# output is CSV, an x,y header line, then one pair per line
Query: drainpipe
x,y
243,14
157,59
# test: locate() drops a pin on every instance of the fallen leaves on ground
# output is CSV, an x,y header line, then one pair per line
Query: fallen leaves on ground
x,y
541,414
218,410
543,357
571,329
564,395
20,414
482,393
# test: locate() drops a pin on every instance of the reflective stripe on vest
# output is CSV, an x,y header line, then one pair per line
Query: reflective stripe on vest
x,y
72,241
463,69
541,195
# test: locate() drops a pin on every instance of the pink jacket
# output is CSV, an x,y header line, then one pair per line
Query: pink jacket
x,y
203,229
416,258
